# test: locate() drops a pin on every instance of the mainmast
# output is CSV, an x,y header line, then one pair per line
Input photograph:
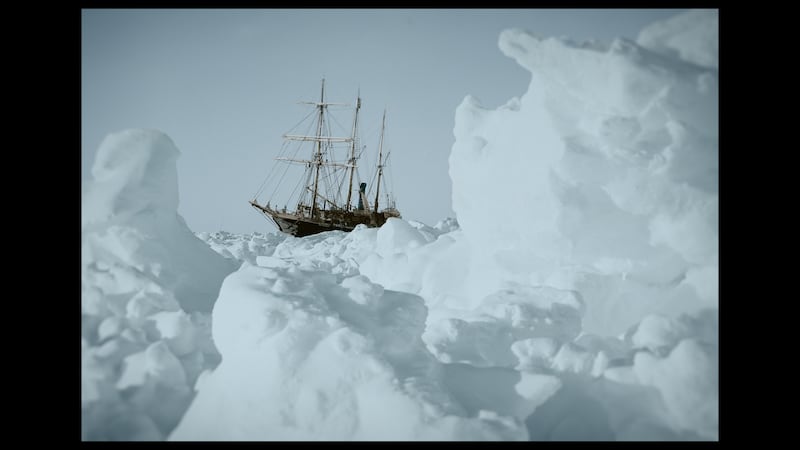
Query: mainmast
x,y
318,156
380,162
353,152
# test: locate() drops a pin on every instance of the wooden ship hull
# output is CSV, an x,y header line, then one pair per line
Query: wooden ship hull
x,y
300,225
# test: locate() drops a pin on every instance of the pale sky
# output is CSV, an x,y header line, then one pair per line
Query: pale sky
x,y
224,85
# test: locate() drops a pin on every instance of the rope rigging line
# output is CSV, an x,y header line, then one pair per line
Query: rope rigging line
x,y
325,182
341,185
389,177
297,185
278,185
336,122
285,171
313,111
330,178
280,153
305,194
269,174
340,173
371,181
261,188
283,152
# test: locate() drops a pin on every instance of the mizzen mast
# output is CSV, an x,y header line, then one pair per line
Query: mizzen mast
x,y
380,162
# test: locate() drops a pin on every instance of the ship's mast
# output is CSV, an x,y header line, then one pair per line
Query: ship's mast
x,y
317,160
380,162
353,152
318,156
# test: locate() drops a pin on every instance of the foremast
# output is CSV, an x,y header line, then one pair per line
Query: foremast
x,y
318,160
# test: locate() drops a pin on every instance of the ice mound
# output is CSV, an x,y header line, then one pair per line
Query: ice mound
x,y
611,389
602,178
307,355
131,228
147,287
133,173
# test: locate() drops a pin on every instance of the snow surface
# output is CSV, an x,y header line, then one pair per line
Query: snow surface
x,y
575,298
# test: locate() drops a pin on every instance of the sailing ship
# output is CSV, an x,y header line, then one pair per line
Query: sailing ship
x,y
323,203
